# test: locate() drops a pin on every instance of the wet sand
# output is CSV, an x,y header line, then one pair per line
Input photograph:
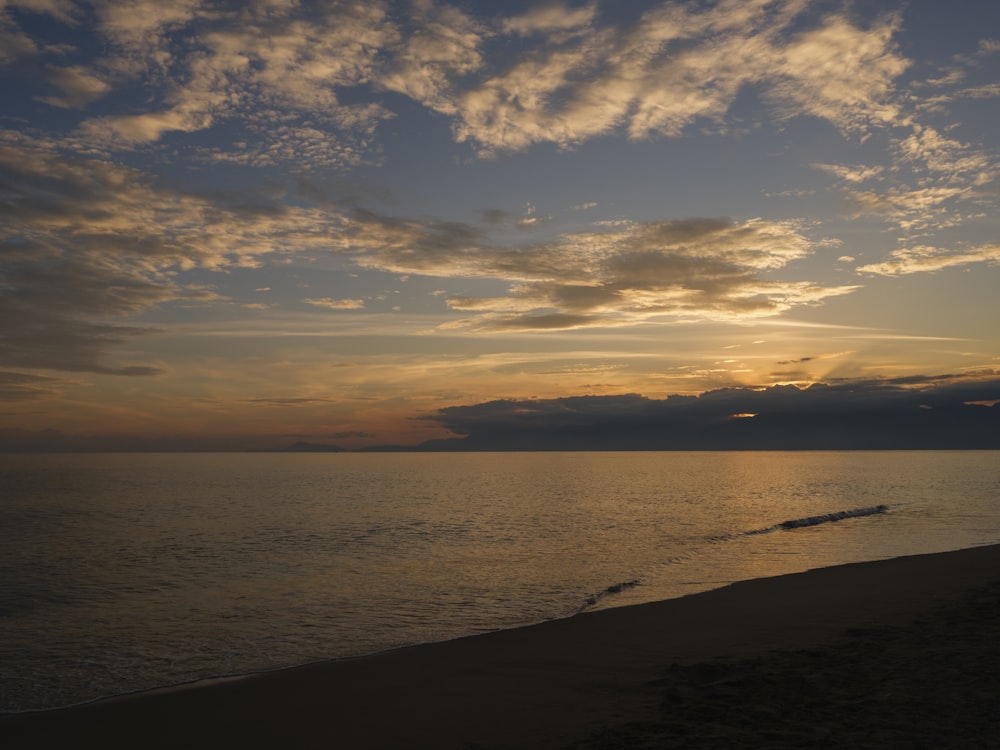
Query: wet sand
x,y
894,653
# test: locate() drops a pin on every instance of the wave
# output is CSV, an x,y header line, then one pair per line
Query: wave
x,y
840,515
615,588
789,525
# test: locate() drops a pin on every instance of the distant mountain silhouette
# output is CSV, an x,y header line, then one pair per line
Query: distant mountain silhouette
x,y
303,447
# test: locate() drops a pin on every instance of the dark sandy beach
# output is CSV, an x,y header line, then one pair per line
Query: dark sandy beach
x,y
894,653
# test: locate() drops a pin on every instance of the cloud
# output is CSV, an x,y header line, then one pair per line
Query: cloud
x,y
529,220
931,175
272,141
911,209
841,73
336,304
275,70
65,11
550,17
947,157
695,268
14,43
988,47
557,73
923,259
86,245
852,174
923,191
290,401
907,412
678,65
439,45
803,360
141,26
21,386
90,245
133,129
986,91
79,86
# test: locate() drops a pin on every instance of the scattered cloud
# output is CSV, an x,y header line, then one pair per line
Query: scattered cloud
x,y
336,304
426,63
16,44
913,210
549,17
681,64
22,386
87,244
574,77
852,174
274,68
530,219
947,158
701,268
78,86
791,193
922,259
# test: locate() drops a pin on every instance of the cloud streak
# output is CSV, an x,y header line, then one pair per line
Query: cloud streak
x,y
697,268
923,259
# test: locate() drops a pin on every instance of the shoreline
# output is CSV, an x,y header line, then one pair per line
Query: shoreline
x,y
546,685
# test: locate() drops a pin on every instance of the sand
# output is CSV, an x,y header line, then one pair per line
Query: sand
x,y
894,653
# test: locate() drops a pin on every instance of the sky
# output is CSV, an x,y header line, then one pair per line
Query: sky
x,y
245,225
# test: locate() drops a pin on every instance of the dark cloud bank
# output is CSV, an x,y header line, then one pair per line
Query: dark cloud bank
x,y
899,414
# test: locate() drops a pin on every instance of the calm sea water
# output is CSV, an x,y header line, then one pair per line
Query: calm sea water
x,y
122,572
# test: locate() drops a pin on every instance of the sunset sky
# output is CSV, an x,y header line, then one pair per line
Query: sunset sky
x,y
248,224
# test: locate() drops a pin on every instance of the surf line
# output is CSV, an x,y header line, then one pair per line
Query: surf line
x,y
615,588
840,515
795,523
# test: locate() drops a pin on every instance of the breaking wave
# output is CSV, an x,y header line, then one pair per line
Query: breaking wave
x,y
789,525
615,588
840,515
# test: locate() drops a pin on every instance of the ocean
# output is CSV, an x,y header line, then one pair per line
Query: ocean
x,y
125,572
